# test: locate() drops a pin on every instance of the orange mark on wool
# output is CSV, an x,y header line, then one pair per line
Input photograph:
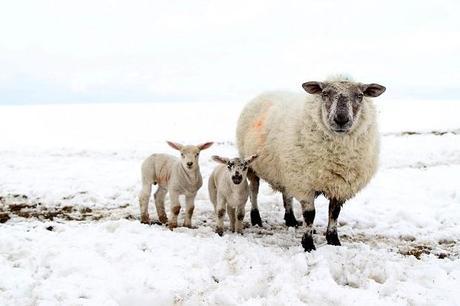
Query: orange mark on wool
x,y
162,180
258,127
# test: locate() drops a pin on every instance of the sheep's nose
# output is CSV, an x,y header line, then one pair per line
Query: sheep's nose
x,y
341,119
189,164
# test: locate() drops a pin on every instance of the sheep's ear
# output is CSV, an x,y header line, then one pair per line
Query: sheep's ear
x,y
313,87
205,145
250,159
219,159
175,145
372,90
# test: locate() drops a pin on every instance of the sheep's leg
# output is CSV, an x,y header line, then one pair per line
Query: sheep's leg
x,y
334,211
160,195
144,198
289,216
175,209
189,207
220,213
239,219
308,211
253,191
231,212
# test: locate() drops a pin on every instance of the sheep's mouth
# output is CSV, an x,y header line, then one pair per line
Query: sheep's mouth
x,y
341,131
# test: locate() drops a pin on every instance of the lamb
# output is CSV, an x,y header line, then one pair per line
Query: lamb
x,y
228,189
324,143
176,176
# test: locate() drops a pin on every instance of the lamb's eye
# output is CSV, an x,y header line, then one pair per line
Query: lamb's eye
x,y
325,94
245,167
196,155
360,96
182,155
229,165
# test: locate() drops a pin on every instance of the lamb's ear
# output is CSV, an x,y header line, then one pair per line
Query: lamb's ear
x,y
313,87
175,145
372,90
219,159
250,159
205,145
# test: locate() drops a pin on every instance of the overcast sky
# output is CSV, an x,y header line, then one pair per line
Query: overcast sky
x,y
209,50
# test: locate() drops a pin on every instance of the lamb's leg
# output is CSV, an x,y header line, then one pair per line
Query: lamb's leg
x,y
231,212
220,213
253,191
189,207
175,209
334,211
308,211
239,219
144,197
160,195
289,216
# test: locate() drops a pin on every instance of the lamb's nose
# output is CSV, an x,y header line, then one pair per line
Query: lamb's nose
x,y
341,119
189,164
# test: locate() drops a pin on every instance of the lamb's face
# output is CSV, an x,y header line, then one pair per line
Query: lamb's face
x,y
237,168
189,157
342,102
189,154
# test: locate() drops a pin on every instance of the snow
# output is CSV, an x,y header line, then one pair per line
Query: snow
x,y
400,236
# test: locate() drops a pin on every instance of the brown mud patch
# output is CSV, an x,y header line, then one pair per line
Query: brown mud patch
x,y
14,206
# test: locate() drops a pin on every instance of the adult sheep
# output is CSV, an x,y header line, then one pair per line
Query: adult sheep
x,y
324,143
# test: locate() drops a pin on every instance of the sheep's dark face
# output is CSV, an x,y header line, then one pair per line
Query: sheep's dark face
x,y
237,168
342,101
189,154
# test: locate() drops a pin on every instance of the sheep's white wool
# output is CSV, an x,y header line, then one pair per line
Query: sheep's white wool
x,y
299,155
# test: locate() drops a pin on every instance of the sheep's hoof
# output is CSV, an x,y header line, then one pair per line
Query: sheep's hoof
x,y
220,231
307,243
188,225
255,217
332,238
290,219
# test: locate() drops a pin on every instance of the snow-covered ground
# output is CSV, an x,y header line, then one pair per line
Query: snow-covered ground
x,y
80,164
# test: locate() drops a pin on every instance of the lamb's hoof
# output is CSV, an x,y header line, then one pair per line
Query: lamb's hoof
x,y
255,217
172,226
307,243
332,238
188,225
220,231
145,220
163,219
290,219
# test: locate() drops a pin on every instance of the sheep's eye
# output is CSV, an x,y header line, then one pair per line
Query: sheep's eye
x,y
229,165
182,155
360,96
196,155
325,94
245,167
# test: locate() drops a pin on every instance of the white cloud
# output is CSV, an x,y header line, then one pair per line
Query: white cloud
x,y
220,50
